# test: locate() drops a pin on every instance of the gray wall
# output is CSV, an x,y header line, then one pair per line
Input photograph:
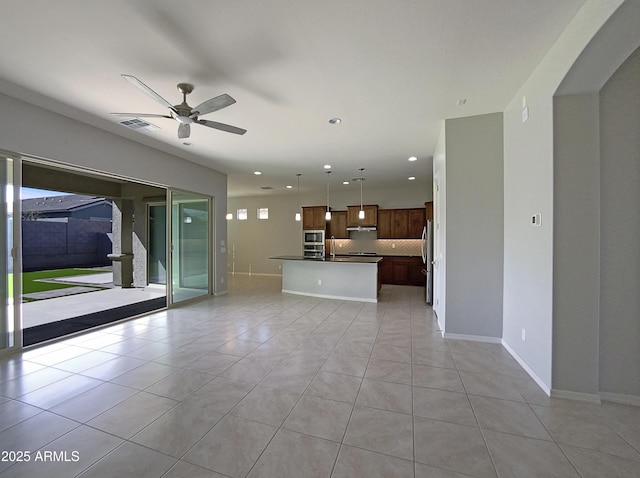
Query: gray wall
x,y
528,189
576,243
474,235
620,231
596,231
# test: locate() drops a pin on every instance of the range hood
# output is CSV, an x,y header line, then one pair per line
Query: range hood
x,y
361,228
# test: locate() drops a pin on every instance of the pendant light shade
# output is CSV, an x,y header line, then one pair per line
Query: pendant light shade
x,y
298,215
361,212
327,215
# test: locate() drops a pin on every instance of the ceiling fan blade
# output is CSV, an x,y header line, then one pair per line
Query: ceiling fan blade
x,y
213,104
148,91
142,115
184,131
221,126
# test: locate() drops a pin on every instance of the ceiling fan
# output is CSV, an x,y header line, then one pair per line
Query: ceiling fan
x,y
183,113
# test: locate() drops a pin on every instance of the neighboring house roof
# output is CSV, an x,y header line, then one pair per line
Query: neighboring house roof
x,y
71,202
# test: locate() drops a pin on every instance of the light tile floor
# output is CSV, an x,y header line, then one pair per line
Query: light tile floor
x,y
260,384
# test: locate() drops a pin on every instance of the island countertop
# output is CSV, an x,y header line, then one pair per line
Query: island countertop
x,y
355,259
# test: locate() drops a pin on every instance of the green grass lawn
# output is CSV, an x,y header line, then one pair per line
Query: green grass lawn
x,y
31,280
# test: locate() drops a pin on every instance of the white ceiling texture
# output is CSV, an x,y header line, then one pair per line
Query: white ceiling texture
x,y
392,70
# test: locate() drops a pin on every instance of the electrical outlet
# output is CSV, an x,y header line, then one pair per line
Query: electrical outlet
x,y
222,280
393,246
524,335
319,281
536,219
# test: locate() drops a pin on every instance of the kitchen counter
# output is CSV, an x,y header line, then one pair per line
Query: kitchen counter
x,y
340,277
359,259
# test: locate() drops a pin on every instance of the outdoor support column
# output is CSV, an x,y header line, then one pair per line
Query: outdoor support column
x,y
122,253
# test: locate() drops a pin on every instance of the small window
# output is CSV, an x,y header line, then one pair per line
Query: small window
x,y
263,213
242,214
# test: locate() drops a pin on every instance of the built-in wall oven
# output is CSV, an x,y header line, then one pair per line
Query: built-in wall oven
x,y
313,244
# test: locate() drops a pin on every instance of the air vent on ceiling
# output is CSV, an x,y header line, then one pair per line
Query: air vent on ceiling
x,y
265,187
139,125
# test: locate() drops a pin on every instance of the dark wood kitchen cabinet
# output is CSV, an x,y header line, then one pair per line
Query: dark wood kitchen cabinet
x,y
385,230
400,223
401,270
370,216
338,225
385,270
313,218
416,221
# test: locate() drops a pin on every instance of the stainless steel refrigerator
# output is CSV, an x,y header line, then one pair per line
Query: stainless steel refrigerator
x,y
427,259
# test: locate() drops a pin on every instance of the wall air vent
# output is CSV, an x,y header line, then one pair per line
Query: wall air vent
x,y
139,125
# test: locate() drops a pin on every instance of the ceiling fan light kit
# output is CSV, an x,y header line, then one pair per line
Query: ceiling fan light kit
x,y
183,113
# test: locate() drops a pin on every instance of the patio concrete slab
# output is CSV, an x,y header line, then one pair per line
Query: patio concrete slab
x,y
102,278
60,308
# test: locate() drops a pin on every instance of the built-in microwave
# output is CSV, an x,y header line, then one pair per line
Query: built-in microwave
x,y
313,237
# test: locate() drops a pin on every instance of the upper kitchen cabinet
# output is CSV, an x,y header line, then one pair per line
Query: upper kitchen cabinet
x,y
429,210
370,216
385,229
313,218
400,223
416,222
338,225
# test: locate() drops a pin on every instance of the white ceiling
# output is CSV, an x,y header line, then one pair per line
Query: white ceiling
x,y
391,69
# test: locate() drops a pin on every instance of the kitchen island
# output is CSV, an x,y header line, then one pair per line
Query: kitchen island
x,y
343,278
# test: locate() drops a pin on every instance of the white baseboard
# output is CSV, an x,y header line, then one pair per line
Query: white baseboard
x,y
620,398
579,396
473,338
526,368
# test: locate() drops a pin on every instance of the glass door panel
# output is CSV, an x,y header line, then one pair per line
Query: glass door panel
x,y
190,264
157,243
11,277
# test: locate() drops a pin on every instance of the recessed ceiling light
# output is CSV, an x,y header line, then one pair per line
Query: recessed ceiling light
x,y
289,187
413,158
327,166
335,121
411,178
345,182
257,173
461,101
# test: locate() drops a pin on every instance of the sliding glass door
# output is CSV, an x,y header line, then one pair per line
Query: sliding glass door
x,y
157,250
189,246
9,269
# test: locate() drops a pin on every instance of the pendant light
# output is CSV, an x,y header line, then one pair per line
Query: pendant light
x,y
298,215
327,215
361,212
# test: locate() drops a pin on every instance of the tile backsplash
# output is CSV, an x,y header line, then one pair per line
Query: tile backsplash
x,y
367,242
